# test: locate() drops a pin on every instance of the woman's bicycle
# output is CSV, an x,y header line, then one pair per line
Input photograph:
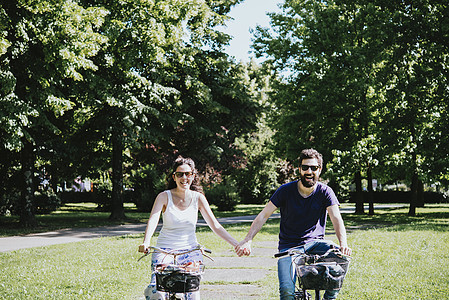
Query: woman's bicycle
x,y
318,272
174,278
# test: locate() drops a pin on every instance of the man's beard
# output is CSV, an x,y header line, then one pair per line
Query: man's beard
x,y
308,183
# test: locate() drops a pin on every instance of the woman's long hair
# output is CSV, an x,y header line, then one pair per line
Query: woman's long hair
x,y
171,184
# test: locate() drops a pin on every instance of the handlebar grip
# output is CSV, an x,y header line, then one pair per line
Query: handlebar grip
x,y
281,254
141,248
207,250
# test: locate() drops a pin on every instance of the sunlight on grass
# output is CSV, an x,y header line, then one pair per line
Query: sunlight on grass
x,y
240,210
398,264
395,257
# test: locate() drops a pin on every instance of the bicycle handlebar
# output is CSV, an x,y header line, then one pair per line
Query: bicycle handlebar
x,y
153,249
296,252
280,254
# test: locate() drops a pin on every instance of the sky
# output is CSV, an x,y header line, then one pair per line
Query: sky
x,y
247,15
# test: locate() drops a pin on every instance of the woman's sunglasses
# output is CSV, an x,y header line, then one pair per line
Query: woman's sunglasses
x,y
181,174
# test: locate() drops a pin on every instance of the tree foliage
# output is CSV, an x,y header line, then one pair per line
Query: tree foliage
x,y
45,47
355,71
85,82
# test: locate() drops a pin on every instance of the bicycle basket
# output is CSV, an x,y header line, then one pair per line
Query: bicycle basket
x,y
177,280
324,275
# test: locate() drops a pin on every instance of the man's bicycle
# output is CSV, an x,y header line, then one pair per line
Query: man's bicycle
x,y
317,272
174,278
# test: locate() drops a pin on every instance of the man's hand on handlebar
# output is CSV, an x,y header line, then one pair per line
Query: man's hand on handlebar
x,y
346,251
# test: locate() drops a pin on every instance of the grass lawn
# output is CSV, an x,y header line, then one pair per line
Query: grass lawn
x,y
395,257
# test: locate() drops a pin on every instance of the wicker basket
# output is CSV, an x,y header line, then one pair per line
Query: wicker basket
x,y
324,275
176,279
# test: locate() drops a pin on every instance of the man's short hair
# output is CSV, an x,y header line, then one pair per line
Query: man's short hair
x,y
311,153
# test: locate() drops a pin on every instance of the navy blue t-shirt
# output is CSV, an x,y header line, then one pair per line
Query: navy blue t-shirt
x,y
302,219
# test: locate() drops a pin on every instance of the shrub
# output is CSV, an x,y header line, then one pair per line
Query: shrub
x,y
224,195
46,202
400,197
9,202
76,197
257,181
147,183
103,198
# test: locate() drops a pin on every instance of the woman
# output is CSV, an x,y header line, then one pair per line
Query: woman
x,y
179,206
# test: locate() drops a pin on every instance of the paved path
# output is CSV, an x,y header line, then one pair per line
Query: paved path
x,y
70,235
78,234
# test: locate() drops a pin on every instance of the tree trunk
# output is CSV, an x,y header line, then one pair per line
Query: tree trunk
x,y
420,199
27,217
415,179
414,196
359,206
117,209
370,191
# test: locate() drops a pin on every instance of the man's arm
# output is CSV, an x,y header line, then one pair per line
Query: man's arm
x,y
244,247
340,230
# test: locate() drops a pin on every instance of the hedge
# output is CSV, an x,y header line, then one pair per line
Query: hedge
x,y
400,197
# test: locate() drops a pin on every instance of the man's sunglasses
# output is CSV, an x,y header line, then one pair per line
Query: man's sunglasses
x,y
306,167
181,174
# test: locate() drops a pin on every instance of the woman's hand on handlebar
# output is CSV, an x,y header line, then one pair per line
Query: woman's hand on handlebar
x,y
143,248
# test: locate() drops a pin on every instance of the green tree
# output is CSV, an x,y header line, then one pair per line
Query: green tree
x,y
44,46
357,69
128,103
362,156
257,174
213,104
216,107
329,52
164,81
414,85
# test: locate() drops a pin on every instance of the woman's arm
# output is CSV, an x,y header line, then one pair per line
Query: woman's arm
x,y
159,206
213,223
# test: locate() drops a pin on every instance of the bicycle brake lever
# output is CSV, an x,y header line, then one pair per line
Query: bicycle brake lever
x,y
143,256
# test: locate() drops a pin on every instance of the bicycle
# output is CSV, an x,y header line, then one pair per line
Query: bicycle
x,y
317,272
174,278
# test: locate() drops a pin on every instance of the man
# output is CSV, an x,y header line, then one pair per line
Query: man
x,y
304,205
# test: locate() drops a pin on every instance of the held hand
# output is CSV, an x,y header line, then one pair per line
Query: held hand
x,y
243,248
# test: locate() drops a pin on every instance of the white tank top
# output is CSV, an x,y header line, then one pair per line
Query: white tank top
x,y
178,227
